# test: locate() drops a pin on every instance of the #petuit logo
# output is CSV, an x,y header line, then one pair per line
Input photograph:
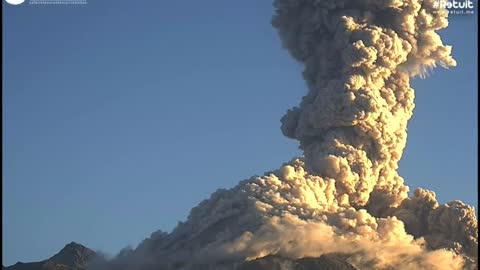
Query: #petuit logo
x,y
15,2
459,7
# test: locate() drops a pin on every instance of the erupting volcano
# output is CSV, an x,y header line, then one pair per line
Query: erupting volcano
x,y
344,195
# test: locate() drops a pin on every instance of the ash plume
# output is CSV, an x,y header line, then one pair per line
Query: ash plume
x,y
344,194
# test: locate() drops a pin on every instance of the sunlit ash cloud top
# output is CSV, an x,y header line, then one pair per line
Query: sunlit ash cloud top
x,y
344,195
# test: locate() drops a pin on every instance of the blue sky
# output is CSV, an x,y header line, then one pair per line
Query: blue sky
x,y
120,116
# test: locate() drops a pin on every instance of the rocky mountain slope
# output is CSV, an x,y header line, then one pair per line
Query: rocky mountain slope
x,y
75,256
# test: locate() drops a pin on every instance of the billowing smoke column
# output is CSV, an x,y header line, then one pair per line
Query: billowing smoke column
x,y
345,195
359,56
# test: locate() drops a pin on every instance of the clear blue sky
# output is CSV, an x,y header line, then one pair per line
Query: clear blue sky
x,y
119,116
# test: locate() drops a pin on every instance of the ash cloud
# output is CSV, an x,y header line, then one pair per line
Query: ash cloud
x,y
344,195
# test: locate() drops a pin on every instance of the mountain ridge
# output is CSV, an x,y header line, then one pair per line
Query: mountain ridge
x,y
75,256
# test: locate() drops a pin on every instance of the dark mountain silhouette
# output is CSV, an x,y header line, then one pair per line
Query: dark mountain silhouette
x,y
75,256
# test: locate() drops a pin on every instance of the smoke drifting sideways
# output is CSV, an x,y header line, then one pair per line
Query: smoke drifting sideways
x,y
344,195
